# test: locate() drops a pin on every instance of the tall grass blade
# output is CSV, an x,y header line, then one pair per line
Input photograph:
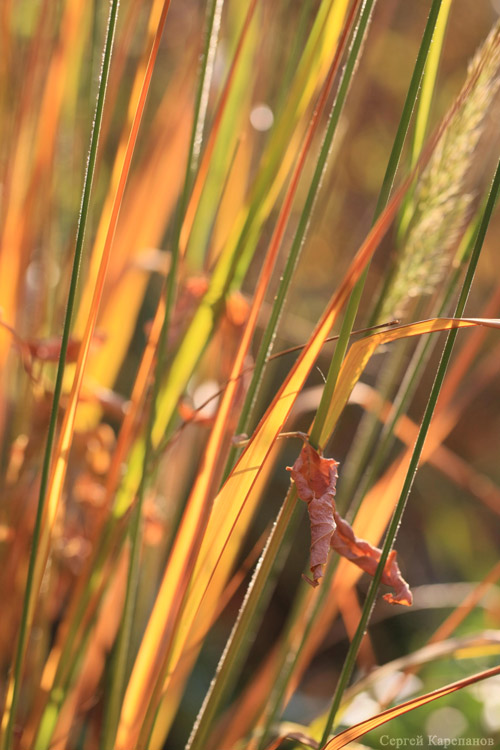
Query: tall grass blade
x,y
342,739
117,682
388,181
410,476
31,592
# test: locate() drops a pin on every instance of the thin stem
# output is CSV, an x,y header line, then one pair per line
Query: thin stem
x,y
390,173
412,468
358,487
245,421
258,590
15,685
239,640
116,692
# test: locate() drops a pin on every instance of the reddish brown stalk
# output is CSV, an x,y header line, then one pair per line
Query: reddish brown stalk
x,y
119,60
131,421
192,417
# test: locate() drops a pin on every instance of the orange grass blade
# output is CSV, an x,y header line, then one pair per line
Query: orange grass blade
x,y
361,351
226,509
124,43
359,730
64,443
65,439
13,255
158,640
212,138
119,166
142,223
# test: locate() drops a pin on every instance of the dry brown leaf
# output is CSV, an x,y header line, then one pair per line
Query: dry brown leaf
x,y
316,478
367,557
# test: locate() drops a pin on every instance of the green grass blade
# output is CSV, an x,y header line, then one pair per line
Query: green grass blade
x,y
239,641
356,483
412,468
390,174
231,126
425,101
13,698
121,653
245,422
234,259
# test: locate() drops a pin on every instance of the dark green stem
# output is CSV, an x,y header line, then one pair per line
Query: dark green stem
x,y
245,421
6,743
412,468
385,439
121,655
390,174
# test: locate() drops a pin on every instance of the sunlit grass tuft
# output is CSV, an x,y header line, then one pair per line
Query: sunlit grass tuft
x,y
151,545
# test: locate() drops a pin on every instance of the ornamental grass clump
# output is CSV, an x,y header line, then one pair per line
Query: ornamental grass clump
x,y
185,245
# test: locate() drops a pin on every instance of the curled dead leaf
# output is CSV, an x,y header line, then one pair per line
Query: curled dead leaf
x,y
316,478
367,557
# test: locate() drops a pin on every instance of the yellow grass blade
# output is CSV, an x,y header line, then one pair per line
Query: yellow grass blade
x,y
228,506
361,351
141,226
359,730
58,474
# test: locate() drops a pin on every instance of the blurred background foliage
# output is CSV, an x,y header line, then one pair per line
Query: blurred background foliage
x,y
450,534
